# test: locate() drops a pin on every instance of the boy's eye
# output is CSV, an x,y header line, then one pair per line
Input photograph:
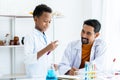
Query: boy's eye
x,y
83,31
49,21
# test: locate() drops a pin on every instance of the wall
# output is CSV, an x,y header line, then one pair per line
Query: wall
x,y
65,29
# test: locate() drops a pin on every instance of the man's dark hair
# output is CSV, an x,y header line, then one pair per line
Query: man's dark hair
x,y
94,23
38,11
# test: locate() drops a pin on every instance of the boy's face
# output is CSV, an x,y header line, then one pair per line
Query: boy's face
x,y
88,35
42,22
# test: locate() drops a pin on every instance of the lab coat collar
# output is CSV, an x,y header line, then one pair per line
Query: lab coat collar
x,y
78,44
38,32
41,34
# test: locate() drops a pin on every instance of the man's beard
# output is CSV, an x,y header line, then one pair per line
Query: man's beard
x,y
84,40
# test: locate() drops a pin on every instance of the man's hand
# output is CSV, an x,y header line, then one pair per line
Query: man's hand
x,y
71,71
56,67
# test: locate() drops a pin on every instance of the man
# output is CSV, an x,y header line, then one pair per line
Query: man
x,y
37,48
89,48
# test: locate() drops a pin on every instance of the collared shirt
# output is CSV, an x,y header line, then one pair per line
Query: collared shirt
x,y
33,44
85,54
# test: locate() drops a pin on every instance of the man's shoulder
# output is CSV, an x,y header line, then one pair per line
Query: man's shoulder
x,y
75,44
99,41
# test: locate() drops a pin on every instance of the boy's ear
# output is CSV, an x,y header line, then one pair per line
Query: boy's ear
x,y
97,34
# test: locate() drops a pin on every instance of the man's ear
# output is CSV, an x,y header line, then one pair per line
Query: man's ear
x,y
35,19
97,34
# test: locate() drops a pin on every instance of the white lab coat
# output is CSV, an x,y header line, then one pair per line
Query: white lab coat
x,y
72,55
34,43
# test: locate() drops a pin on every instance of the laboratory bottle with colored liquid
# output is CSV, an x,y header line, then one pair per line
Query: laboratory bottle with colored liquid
x,y
51,74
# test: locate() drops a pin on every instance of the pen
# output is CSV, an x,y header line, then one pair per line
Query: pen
x,y
114,59
113,67
117,73
48,53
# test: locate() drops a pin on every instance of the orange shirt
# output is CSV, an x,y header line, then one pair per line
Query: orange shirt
x,y
86,49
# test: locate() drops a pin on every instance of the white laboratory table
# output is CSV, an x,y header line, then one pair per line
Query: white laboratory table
x,y
60,77
67,77
24,77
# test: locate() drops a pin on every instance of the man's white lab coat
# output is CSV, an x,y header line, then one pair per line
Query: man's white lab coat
x,y
72,55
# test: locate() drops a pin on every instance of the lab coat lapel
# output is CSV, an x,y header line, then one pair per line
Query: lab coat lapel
x,y
41,38
92,54
77,60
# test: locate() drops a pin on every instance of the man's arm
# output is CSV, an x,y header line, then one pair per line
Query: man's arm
x,y
100,52
66,61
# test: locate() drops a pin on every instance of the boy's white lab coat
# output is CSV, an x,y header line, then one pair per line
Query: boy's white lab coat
x,y
33,44
72,55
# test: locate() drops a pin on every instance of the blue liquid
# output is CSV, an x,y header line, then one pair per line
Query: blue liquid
x,y
51,75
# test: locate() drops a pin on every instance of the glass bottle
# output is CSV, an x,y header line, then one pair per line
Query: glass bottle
x,y
51,74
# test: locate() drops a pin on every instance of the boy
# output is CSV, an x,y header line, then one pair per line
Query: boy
x,y
36,44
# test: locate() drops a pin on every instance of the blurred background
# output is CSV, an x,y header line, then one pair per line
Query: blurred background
x,y
65,27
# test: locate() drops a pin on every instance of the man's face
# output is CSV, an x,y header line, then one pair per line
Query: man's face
x,y
88,35
42,22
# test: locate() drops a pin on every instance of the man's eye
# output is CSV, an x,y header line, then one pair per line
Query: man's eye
x,y
45,21
88,33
